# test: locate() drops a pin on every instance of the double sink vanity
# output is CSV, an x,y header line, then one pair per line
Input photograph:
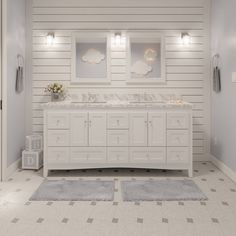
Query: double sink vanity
x,y
118,135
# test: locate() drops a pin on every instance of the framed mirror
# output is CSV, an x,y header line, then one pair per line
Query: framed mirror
x,y
90,57
146,57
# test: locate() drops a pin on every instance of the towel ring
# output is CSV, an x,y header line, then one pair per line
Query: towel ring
x,y
20,60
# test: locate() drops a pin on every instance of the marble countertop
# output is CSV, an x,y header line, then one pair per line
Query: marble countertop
x,y
114,105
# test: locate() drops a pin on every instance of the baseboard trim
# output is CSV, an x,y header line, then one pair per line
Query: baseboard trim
x,y
224,168
12,168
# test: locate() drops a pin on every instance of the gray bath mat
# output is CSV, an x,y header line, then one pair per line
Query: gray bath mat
x,y
161,190
74,190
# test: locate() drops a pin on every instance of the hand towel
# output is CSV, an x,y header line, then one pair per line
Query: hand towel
x,y
19,79
216,79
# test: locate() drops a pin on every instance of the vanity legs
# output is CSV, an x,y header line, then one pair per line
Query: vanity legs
x,y
45,172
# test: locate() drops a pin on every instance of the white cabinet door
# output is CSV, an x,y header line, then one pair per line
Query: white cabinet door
x,y
97,129
138,129
79,129
157,129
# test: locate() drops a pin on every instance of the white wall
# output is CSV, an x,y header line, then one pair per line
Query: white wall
x,y
15,44
187,67
223,144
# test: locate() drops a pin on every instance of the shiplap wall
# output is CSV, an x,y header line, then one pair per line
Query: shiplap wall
x,y
187,68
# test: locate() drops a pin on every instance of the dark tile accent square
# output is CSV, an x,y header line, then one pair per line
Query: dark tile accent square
x,y
93,203
131,170
165,220
159,203
213,190
65,220
116,171
214,220
116,190
221,179
140,220
90,220
203,179
212,171
203,203
100,171
49,203
115,179
40,220
148,171
115,203
204,163
71,203
115,220
181,203
190,220
225,203
15,220
137,203
233,190
196,171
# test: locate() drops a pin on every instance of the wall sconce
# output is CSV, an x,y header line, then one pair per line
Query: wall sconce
x,y
50,39
118,40
186,39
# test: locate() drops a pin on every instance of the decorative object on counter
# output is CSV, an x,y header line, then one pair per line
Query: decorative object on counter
x,y
93,56
57,91
34,142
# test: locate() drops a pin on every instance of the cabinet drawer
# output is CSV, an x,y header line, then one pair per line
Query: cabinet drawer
x,y
177,155
58,120
178,120
177,138
58,138
88,155
117,121
118,138
58,155
120,154
147,155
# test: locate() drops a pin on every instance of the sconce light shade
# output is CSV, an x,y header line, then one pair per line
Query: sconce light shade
x,y
118,40
186,38
50,39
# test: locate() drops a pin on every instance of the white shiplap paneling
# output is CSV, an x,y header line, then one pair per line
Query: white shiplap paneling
x,y
187,70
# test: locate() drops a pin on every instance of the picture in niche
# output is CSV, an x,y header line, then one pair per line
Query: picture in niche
x,y
91,60
145,60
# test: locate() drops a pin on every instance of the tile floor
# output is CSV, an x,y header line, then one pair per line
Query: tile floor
x,y
215,217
